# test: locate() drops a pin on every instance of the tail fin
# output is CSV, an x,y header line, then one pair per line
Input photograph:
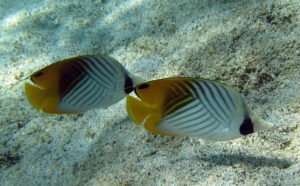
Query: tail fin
x,y
144,114
259,124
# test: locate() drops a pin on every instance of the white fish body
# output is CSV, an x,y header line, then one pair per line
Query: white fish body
x,y
192,107
79,84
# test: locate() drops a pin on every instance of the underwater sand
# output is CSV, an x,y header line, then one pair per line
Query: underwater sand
x,y
251,45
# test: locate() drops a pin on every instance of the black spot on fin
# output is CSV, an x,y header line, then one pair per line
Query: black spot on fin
x,y
143,86
128,87
246,127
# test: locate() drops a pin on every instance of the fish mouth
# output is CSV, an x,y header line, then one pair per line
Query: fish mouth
x,y
39,98
33,92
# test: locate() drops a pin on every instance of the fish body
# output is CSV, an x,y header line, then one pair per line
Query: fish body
x,y
79,84
192,107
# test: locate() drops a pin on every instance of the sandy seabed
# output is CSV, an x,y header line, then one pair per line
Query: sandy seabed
x,y
251,45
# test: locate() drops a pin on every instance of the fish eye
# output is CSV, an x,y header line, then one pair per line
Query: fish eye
x,y
38,74
143,86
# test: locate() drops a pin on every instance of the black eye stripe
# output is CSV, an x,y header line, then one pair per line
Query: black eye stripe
x,y
143,86
38,74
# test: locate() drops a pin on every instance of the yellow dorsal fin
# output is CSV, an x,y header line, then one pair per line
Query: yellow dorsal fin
x,y
142,113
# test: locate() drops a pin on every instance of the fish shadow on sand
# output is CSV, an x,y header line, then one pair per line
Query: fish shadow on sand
x,y
103,153
247,160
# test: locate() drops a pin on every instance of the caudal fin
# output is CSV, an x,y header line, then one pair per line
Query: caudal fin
x,y
258,123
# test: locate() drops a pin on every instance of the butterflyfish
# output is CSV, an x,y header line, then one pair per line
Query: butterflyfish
x,y
78,84
192,107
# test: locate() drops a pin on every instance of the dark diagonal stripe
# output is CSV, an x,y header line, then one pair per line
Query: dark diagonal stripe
x,y
214,102
191,110
170,103
111,63
191,121
202,130
96,100
223,96
189,87
194,113
180,103
182,89
88,95
98,71
218,100
229,96
182,111
208,132
98,64
77,90
82,95
95,75
211,109
205,117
